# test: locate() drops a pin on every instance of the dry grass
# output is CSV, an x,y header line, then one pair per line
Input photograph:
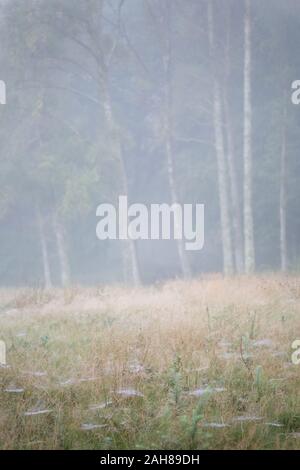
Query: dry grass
x,y
140,355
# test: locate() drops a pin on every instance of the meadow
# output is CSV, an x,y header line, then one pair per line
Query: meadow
x,y
204,364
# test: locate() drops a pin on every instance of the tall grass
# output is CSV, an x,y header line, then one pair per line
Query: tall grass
x,y
204,364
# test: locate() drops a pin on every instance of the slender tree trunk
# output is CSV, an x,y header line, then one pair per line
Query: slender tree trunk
x,y
168,128
220,152
282,202
184,264
129,252
41,229
235,200
237,229
44,249
62,251
248,209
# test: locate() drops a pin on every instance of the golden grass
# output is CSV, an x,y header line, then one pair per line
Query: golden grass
x,y
72,349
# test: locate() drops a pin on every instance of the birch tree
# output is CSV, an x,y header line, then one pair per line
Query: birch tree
x,y
218,123
236,215
82,42
282,196
60,235
168,129
44,248
248,203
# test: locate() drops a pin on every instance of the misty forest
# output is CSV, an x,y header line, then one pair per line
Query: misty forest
x,y
162,101
141,343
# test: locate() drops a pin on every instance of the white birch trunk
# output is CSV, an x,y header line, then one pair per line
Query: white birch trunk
x,y
248,209
62,251
182,255
236,210
237,230
129,253
131,268
184,264
282,201
44,249
220,153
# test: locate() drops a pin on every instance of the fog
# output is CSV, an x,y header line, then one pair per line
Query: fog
x,y
165,102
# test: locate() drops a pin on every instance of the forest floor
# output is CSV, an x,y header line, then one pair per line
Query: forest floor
x,y
199,365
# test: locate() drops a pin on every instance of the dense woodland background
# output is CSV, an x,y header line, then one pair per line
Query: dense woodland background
x,y
163,100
